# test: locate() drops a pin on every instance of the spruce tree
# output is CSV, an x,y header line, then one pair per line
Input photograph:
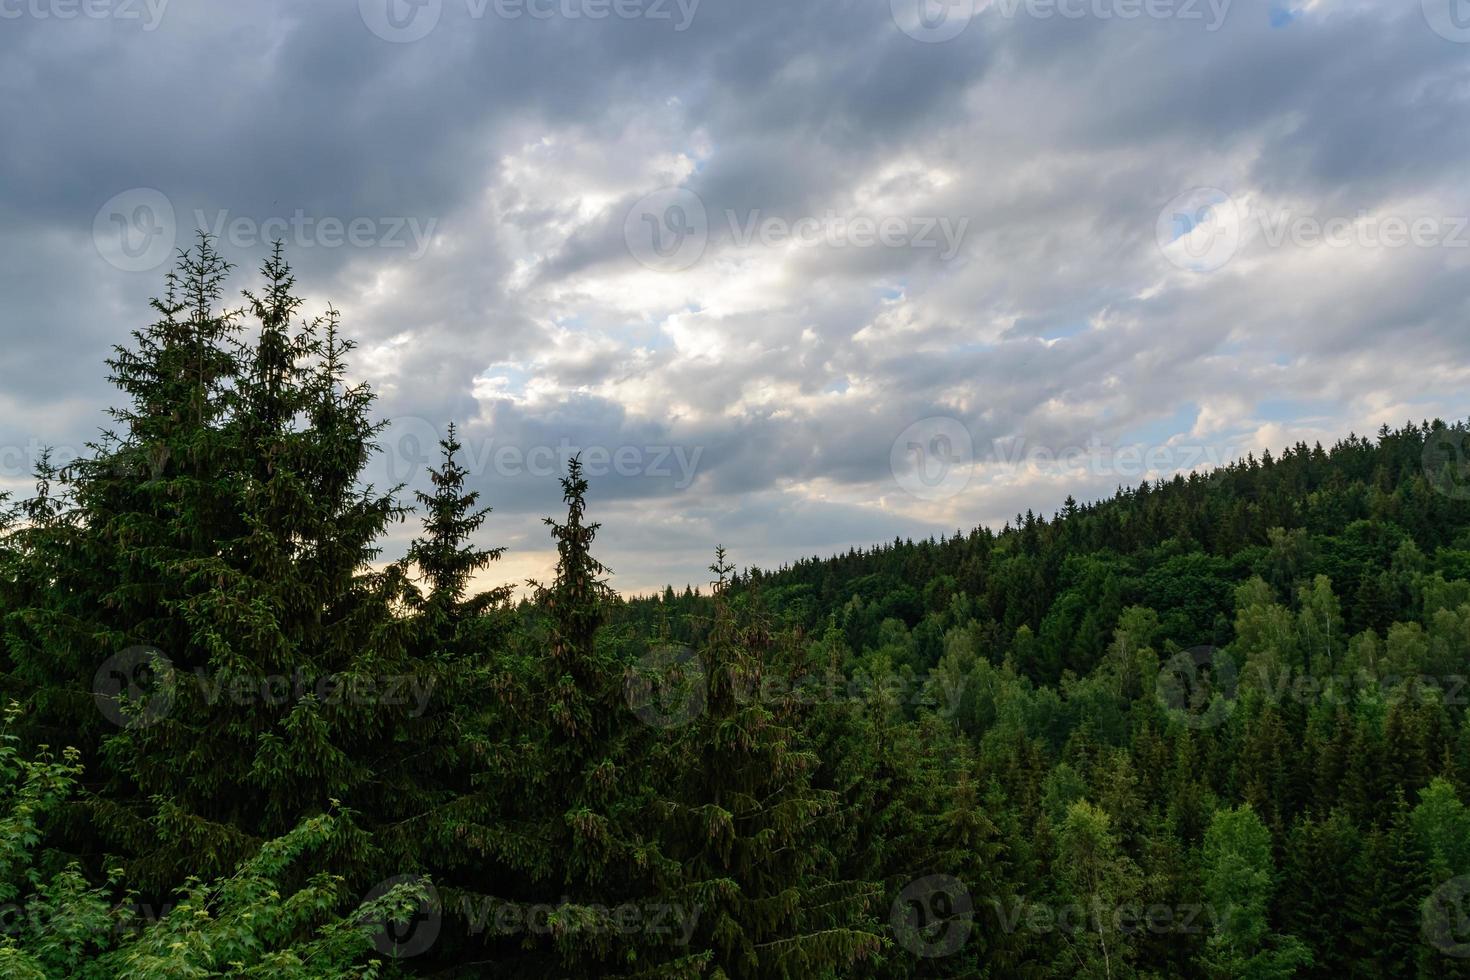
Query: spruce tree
x,y
753,835
445,556
221,527
1392,879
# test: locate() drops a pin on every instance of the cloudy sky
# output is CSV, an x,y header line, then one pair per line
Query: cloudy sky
x,y
793,274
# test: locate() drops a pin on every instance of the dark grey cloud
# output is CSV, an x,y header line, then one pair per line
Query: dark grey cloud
x,y
784,371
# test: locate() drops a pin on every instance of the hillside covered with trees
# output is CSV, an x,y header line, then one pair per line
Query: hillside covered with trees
x,y
1214,726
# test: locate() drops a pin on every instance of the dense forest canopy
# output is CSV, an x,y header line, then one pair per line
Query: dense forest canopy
x,y
1213,726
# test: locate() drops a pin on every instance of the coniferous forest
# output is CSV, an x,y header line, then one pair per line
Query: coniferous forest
x,y
1214,726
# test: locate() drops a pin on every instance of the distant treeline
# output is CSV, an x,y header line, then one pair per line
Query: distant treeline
x,y
1214,726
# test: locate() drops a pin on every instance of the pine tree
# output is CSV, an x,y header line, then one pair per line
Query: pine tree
x,y
1391,882
154,494
559,813
222,525
431,792
445,557
1320,855
744,820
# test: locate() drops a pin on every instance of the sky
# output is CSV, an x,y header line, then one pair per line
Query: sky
x,y
792,275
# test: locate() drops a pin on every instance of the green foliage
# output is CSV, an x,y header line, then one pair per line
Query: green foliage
x,y
251,924
1210,726
1239,878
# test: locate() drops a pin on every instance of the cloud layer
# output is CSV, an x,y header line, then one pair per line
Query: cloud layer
x,y
795,276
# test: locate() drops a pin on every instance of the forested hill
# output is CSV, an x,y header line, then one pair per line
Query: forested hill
x,y
1212,728
1365,513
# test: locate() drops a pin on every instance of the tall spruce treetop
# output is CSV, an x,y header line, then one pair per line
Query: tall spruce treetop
x,y
560,812
743,818
577,605
104,563
445,556
223,526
